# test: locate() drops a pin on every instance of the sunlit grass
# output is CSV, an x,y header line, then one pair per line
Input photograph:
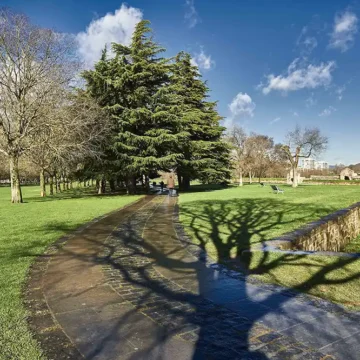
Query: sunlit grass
x,y
26,229
225,222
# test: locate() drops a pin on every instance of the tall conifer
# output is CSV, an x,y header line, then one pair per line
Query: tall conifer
x,y
205,155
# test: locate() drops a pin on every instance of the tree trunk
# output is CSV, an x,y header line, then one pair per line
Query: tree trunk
x,y
16,195
67,184
186,182
133,184
147,184
63,184
51,184
102,186
295,178
112,185
71,184
143,181
97,184
180,181
241,179
57,184
42,183
92,182
250,179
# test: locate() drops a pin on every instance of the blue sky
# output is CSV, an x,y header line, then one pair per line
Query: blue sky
x,y
270,64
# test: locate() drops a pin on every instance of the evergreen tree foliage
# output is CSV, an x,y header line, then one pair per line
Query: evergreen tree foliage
x,y
205,154
161,117
147,132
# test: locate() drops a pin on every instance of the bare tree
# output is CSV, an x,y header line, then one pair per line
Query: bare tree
x,y
303,143
338,168
279,163
74,130
262,148
34,62
236,137
4,169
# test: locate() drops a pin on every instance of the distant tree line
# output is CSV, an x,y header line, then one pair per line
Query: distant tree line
x,y
254,156
257,155
136,114
44,121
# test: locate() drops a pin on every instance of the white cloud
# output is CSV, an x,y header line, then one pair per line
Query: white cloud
x,y
273,121
295,114
300,76
202,61
191,15
306,43
242,105
310,101
339,92
345,28
328,111
113,27
310,43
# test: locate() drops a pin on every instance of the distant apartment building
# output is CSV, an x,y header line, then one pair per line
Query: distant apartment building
x,y
321,165
308,164
311,164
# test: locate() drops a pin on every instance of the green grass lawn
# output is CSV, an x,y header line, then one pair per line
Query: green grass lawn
x,y
26,229
225,222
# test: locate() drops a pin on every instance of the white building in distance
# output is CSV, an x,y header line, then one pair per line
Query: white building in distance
x,y
311,164
321,165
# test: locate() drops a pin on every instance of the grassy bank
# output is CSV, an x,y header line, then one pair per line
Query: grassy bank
x,y
26,230
225,222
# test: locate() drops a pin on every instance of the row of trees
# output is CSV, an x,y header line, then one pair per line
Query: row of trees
x,y
258,155
43,120
255,155
137,113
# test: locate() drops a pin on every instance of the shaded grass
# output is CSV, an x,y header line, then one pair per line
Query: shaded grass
x,y
225,222
24,234
354,246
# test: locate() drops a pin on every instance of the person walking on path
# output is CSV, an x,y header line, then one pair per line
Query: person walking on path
x,y
162,186
171,184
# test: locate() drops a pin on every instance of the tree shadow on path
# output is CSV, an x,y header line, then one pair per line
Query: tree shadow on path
x,y
200,312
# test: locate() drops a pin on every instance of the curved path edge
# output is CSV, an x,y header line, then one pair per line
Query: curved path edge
x,y
53,341
125,287
233,270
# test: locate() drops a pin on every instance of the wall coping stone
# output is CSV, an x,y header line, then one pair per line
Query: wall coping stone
x,y
286,243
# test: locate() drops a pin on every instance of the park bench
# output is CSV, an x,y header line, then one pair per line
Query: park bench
x,y
276,189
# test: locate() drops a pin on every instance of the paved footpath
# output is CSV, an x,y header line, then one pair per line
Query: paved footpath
x,y
125,287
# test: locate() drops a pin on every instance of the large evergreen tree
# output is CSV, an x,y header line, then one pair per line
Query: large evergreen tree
x,y
205,154
162,119
132,86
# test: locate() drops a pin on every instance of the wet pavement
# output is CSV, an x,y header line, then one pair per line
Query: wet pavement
x,y
126,288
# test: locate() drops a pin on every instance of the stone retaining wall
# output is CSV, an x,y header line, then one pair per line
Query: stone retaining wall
x,y
346,183
323,177
331,233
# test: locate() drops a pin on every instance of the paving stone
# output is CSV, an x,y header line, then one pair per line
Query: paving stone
x,y
348,348
289,353
323,330
279,320
149,298
269,337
